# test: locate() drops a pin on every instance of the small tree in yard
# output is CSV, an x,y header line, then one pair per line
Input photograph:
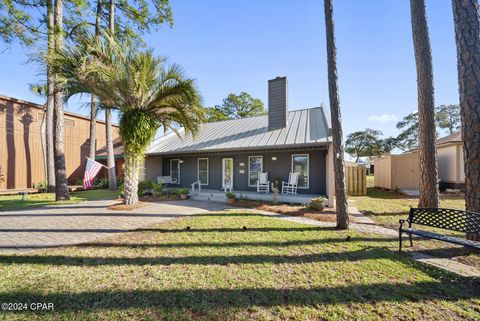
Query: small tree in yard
x,y
365,143
146,92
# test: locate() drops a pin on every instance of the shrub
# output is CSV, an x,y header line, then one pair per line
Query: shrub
x,y
172,191
121,188
102,182
318,203
157,189
42,185
144,185
230,195
183,191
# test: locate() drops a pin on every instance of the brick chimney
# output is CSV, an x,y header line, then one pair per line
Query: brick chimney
x,y
277,103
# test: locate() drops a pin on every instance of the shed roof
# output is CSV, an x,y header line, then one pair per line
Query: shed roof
x,y
453,138
306,127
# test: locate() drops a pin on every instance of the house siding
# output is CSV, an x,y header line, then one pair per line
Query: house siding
x,y
279,168
22,144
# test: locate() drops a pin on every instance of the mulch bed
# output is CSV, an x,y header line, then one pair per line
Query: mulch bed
x,y
124,207
327,215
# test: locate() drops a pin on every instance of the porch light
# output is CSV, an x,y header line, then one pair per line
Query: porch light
x,y
180,161
242,164
274,158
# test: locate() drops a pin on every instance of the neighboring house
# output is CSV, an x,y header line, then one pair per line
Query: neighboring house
x,y
402,171
233,152
22,143
101,156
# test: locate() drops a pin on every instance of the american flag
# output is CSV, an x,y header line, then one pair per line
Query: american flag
x,y
91,170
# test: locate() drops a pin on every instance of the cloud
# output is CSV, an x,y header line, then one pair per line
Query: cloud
x,y
384,118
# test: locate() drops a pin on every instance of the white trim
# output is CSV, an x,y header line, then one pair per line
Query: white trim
x,y
261,169
223,171
308,170
178,167
198,170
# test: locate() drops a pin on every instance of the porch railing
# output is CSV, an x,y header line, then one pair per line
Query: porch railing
x,y
199,186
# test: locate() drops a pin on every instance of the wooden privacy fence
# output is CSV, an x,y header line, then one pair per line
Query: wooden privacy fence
x,y
356,180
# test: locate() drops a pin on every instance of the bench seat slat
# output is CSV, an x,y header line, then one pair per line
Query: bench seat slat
x,y
441,237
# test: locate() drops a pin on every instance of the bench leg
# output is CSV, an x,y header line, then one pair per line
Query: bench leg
x,y
400,241
410,237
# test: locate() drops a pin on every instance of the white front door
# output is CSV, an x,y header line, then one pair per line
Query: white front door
x,y
227,174
175,171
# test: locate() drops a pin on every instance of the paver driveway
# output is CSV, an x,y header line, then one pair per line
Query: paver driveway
x,y
87,221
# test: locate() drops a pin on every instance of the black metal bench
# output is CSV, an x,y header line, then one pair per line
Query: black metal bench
x,y
448,219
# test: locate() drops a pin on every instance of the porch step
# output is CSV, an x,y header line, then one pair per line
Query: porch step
x,y
212,197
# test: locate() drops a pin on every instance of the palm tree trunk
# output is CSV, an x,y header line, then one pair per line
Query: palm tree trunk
x,y
61,186
427,148
132,166
92,148
340,194
50,110
93,106
467,35
112,178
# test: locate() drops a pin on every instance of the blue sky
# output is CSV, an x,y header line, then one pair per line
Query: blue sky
x,y
233,46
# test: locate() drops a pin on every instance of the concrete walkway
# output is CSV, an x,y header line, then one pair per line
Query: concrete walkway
x,y
55,226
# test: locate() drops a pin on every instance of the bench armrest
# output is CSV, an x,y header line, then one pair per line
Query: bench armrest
x,y
401,221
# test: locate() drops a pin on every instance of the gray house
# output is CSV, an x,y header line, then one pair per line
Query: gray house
x,y
237,150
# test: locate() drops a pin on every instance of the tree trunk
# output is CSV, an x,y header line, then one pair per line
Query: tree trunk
x,y
92,148
112,178
93,106
467,35
61,186
340,195
427,148
50,110
132,166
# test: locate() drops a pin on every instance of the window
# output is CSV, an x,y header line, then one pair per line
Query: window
x,y
202,170
255,166
175,170
69,122
300,165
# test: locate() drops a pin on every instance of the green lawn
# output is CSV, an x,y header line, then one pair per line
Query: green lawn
x,y
388,207
11,202
217,271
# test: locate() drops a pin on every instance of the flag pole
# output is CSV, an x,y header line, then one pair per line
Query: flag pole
x,y
97,162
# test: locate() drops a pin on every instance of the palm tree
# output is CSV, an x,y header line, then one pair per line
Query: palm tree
x,y
147,93
92,149
467,35
112,176
427,149
340,194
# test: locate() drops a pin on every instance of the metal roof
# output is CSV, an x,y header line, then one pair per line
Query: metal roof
x,y
306,127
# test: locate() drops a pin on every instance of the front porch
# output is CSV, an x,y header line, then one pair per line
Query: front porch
x,y
219,196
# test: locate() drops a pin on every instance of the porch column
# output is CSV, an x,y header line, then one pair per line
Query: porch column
x,y
330,177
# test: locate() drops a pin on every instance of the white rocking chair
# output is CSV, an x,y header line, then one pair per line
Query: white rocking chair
x,y
290,187
263,184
